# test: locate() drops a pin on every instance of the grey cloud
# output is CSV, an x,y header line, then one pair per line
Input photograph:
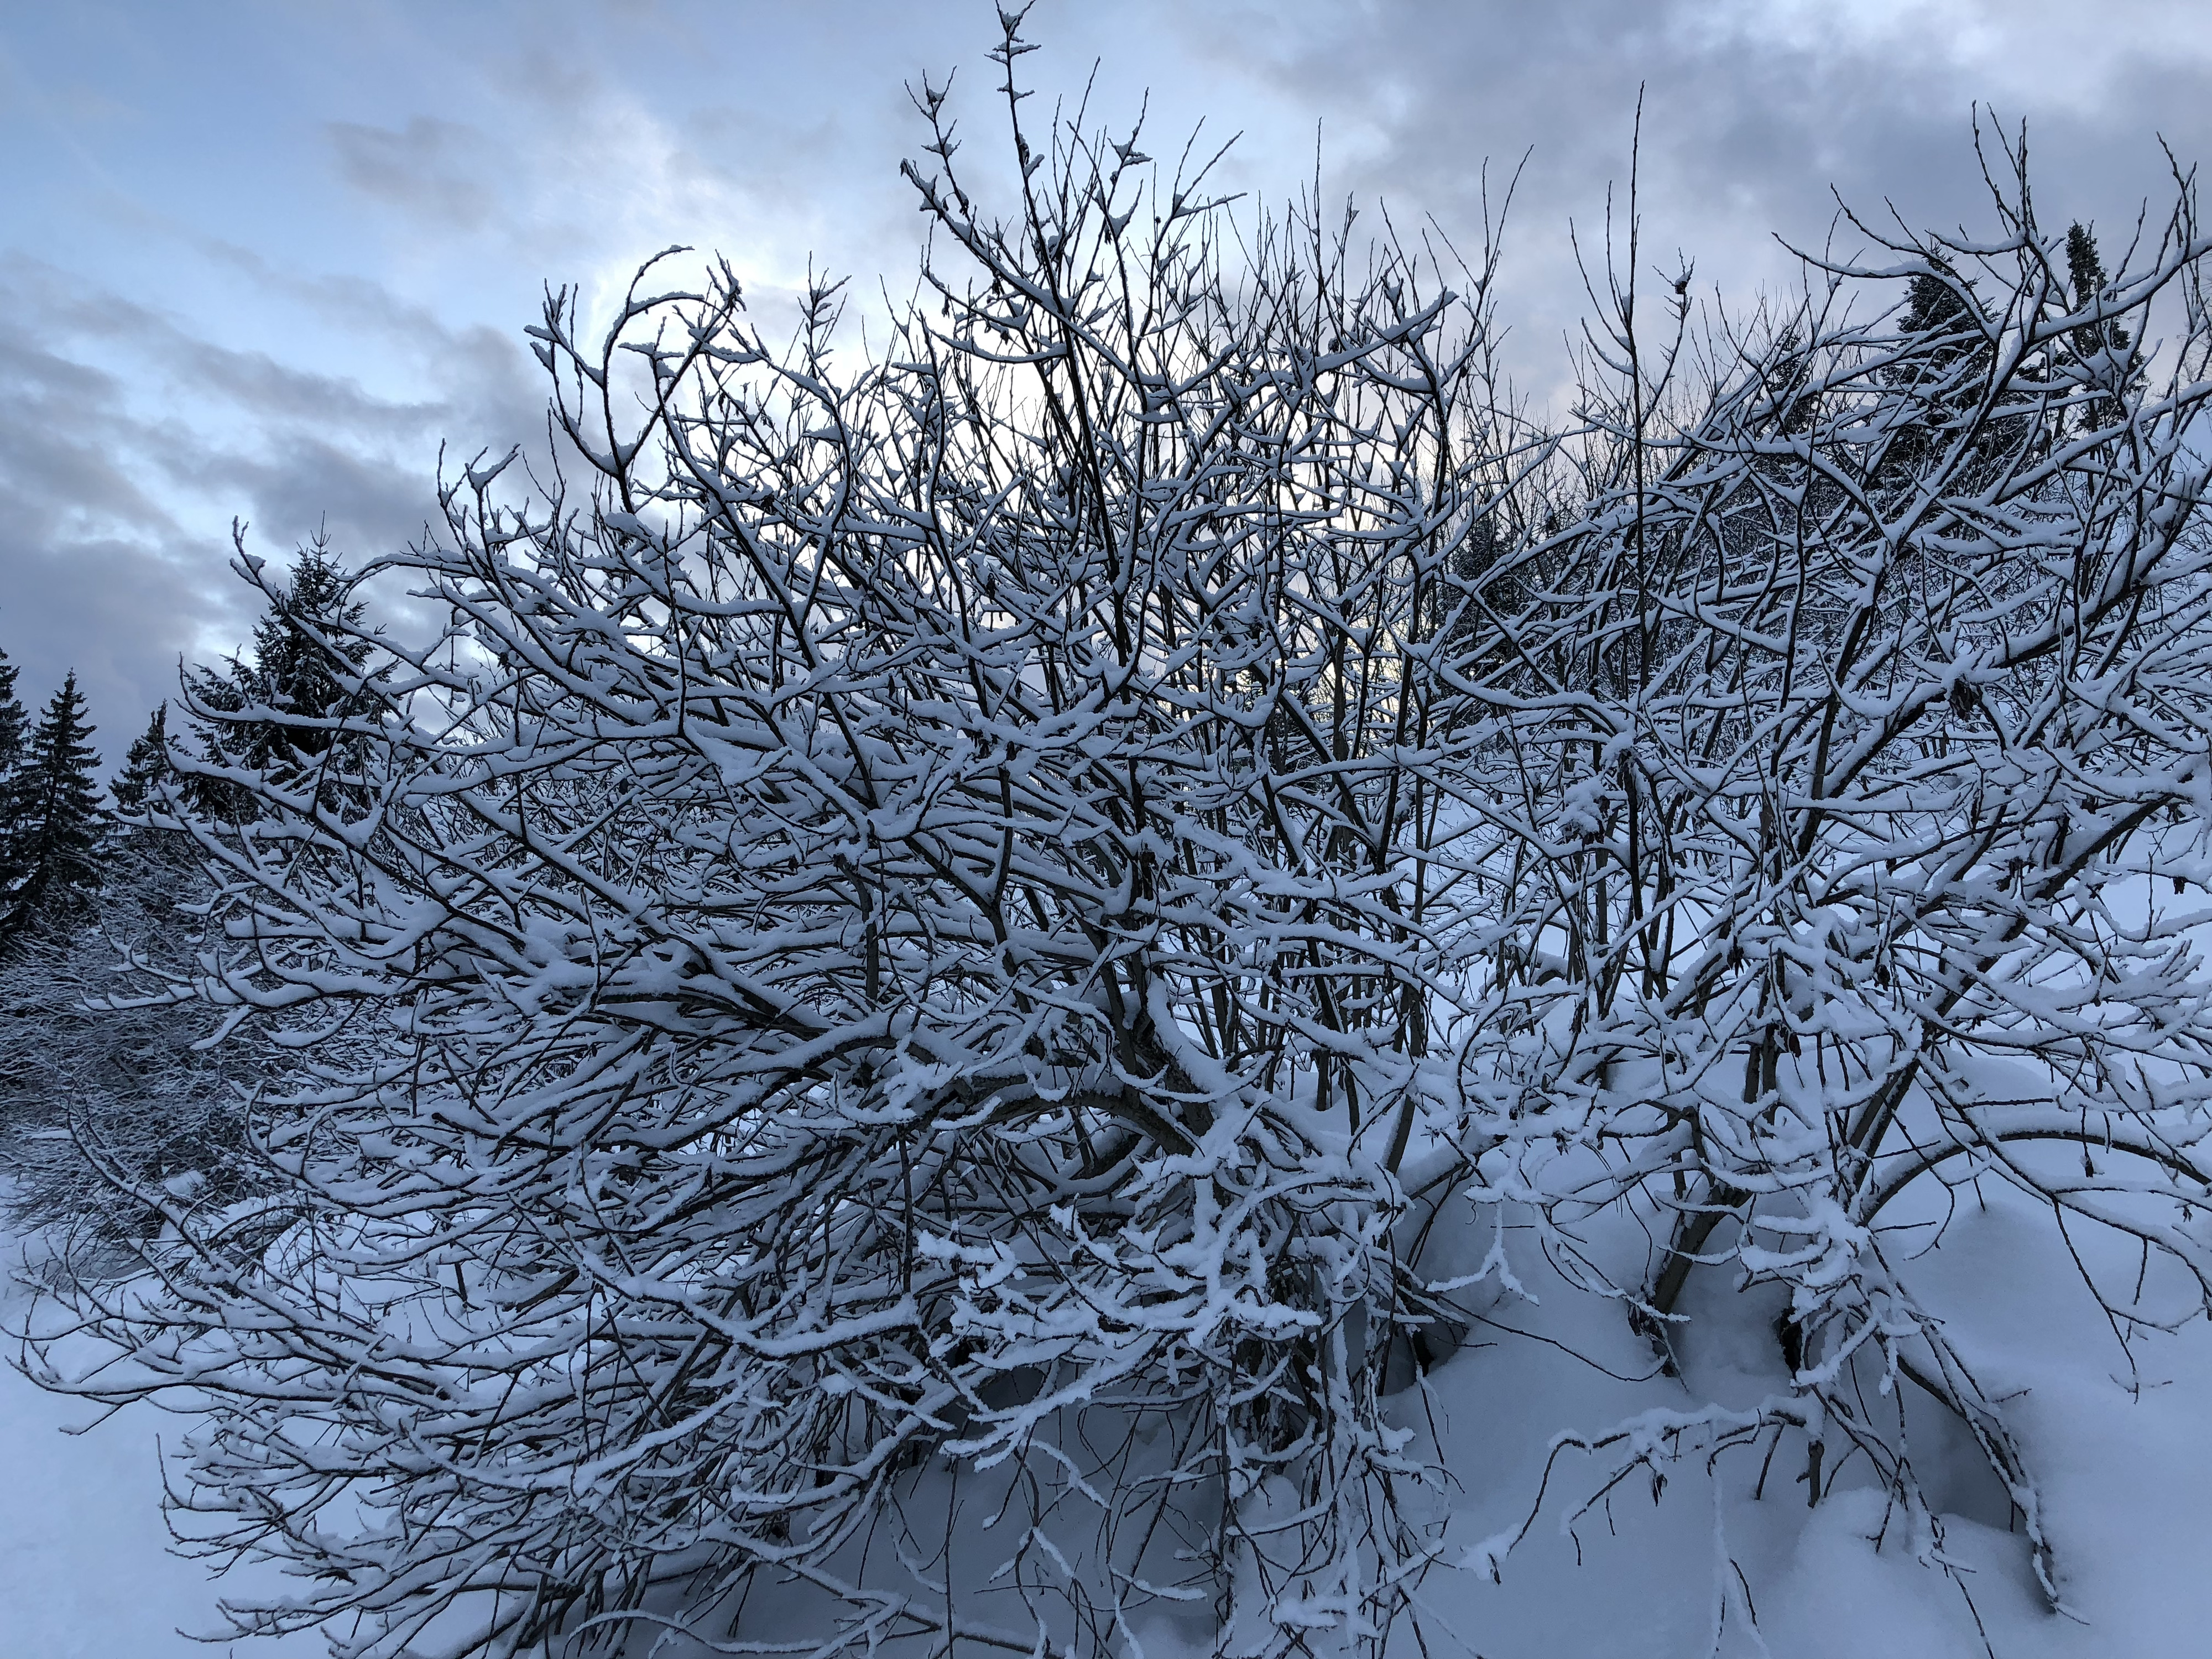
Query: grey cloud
x,y
598,132
119,613
157,344
1746,129
303,484
436,170
52,462
127,441
93,575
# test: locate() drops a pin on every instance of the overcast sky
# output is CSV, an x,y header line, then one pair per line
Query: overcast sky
x,y
260,257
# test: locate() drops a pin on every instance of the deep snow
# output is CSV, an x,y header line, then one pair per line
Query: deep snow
x,y
85,1568
2126,1473
2125,1477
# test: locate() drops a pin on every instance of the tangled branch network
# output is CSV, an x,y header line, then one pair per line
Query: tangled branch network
x,y
930,940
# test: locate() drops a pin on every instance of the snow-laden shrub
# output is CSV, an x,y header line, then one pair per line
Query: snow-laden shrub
x,y
915,909
922,918
1846,813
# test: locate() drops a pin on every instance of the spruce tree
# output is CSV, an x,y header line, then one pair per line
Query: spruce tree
x,y
1951,357
12,721
2085,270
55,819
1940,306
146,767
294,671
167,1114
2085,273
1947,354
291,673
142,788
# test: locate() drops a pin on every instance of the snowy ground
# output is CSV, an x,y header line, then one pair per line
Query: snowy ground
x,y
85,1571
2127,1476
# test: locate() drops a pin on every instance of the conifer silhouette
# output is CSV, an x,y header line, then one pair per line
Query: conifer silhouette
x,y
54,815
146,765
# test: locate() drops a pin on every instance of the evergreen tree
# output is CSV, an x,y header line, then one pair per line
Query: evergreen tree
x,y
148,771
146,767
55,818
1932,305
261,712
2085,269
12,721
1950,356
1939,304
2085,273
